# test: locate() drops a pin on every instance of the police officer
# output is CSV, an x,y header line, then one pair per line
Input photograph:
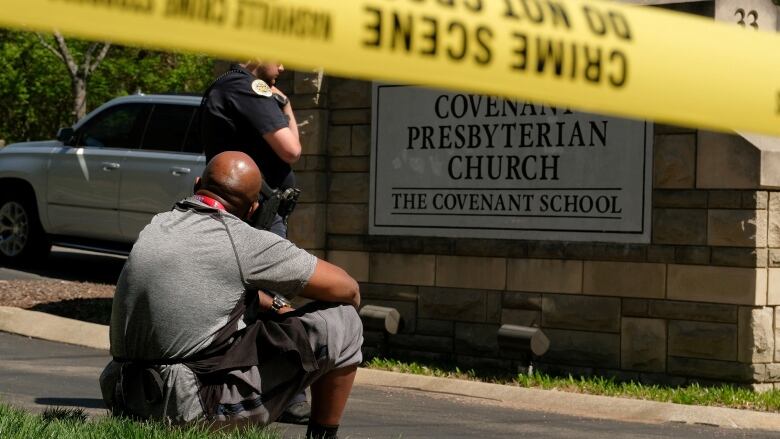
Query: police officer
x,y
244,111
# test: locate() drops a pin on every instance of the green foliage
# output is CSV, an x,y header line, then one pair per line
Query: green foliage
x,y
67,424
35,87
693,394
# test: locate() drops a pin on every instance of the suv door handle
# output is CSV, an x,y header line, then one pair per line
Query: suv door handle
x,y
110,166
177,171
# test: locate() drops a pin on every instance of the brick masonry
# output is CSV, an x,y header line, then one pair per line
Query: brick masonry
x,y
701,301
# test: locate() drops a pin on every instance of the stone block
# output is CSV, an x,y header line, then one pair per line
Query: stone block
x,y
307,228
527,301
347,219
378,243
403,269
755,199
547,249
361,140
349,164
680,226
339,141
313,186
714,369
660,128
674,161
404,293
407,310
773,294
346,242
661,253
438,246
581,348
471,272
756,335
544,275
407,244
350,117
581,312
737,228
620,252
704,312
691,199
635,307
476,338
309,82
349,93
725,199
521,317
726,161
739,257
627,279
493,307
713,341
692,255
419,342
309,101
643,345
777,334
441,328
453,304
483,247
354,263
348,187
312,131
773,258
774,220
740,286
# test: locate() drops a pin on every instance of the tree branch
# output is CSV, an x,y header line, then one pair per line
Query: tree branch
x,y
100,57
49,47
88,58
65,53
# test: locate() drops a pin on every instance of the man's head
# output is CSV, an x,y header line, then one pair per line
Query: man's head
x,y
233,179
268,71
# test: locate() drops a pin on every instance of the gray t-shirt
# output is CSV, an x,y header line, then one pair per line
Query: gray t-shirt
x,y
187,272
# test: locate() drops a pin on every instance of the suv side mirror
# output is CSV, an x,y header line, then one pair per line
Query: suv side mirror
x,y
65,135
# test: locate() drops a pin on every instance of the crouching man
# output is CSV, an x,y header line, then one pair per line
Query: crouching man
x,y
193,336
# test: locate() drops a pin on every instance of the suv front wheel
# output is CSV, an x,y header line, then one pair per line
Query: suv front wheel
x,y
22,239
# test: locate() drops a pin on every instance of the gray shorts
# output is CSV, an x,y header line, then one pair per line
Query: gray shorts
x,y
257,394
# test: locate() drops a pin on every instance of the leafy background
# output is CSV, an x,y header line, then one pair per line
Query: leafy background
x,y
35,88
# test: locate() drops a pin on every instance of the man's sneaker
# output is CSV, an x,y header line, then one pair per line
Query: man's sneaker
x,y
297,413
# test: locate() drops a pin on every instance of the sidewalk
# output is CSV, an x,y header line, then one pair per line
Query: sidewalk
x,y
58,329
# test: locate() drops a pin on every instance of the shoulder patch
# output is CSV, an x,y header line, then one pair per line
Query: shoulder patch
x,y
260,87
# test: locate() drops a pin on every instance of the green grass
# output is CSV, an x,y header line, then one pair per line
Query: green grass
x,y
73,424
723,395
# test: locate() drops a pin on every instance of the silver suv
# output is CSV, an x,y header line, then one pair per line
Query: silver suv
x,y
102,180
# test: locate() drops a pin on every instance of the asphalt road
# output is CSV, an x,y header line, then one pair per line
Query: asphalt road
x,y
35,374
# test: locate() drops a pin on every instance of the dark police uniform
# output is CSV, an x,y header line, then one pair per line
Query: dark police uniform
x,y
237,110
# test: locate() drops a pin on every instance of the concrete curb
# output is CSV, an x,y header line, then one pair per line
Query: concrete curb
x,y
63,330
576,404
53,328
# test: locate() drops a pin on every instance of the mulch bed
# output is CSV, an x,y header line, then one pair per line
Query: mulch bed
x,y
76,300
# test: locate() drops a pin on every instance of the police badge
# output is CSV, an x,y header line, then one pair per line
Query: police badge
x,y
260,87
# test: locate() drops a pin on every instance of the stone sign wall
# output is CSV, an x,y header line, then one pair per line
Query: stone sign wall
x,y
467,166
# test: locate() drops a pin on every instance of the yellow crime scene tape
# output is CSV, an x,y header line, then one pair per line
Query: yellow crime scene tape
x,y
592,55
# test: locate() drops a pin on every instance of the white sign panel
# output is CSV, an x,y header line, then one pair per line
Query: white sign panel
x,y
467,166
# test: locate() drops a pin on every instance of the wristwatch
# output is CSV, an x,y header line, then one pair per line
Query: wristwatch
x,y
279,302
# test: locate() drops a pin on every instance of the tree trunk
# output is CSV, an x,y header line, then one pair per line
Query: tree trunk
x,y
79,87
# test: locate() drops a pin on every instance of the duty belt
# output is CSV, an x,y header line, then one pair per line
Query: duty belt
x,y
274,202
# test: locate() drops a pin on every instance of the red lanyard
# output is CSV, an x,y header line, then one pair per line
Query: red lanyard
x,y
208,201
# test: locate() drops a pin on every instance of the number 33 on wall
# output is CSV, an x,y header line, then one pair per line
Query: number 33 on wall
x,y
750,15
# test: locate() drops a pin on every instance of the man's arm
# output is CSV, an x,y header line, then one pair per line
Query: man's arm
x,y
330,283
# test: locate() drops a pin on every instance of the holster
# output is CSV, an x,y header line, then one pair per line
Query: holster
x,y
275,202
